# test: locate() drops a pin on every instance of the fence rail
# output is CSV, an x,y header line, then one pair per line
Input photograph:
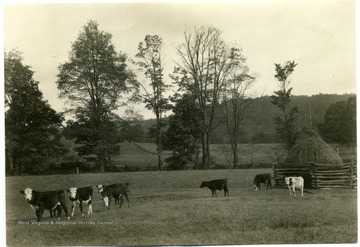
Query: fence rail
x,y
319,175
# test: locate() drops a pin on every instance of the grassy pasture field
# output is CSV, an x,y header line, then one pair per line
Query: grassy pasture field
x,y
144,154
169,208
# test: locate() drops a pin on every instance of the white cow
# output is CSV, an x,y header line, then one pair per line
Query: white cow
x,y
295,182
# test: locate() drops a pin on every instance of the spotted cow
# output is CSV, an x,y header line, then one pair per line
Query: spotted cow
x,y
50,200
117,191
81,196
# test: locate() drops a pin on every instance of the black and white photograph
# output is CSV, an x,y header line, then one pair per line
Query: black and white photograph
x,y
179,123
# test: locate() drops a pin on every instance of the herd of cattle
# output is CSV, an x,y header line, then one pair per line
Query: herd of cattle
x,y
55,202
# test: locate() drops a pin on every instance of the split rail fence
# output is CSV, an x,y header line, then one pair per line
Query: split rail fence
x,y
319,175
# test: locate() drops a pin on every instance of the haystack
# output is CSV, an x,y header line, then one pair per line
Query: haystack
x,y
311,148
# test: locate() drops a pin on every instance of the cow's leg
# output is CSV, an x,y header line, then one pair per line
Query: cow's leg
x,y
294,191
215,192
39,213
290,190
90,208
81,208
63,205
226,191
73,205
121,200
302,191
109,202
127,198
59,209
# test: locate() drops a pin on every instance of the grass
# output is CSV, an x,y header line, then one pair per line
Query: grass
x,y
169,208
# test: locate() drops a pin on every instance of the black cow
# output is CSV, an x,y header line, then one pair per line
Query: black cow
x,y
262,179
114,190
51,200
80,196
218,184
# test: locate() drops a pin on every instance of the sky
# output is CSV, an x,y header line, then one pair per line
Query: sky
x,y
319,35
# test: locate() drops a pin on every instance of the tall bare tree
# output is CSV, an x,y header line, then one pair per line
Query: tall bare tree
x,y
206,62
236,104
150,55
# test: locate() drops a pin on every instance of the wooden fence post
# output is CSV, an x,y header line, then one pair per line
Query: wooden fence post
x,y
313,170
352,174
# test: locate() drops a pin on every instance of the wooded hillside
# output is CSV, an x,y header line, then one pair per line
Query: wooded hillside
x,y
259,126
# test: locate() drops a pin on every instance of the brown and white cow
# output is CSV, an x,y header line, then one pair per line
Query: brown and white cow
x,y
118,191
50,200
295,183
81,196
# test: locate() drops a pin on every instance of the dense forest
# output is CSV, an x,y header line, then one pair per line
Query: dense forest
x,y
259,126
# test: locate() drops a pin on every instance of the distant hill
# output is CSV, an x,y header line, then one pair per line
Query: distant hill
x,y
259,126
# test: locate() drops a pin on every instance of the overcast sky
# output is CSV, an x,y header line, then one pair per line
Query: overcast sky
x,y
318,34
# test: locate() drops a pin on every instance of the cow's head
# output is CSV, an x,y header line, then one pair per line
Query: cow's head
x,y
100,188
202,185
255,187
288,181
72,192
27,193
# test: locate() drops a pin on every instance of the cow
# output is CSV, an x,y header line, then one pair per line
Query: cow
x,y
118,191
51,200
218,184
295,183
81,196
262,179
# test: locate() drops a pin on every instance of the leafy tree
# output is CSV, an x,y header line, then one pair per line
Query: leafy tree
x,y
286,126
151,62
236,103
206,62
184,132
32,126
339,124
95,80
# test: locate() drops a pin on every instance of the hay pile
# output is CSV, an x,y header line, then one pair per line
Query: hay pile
x,y
311,148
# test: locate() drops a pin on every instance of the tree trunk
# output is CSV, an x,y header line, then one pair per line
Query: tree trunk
x,y
11,164
197,152
102,163
204,151
159,142
208,153
235,155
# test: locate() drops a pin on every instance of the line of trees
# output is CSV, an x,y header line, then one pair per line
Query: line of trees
x,y
212,79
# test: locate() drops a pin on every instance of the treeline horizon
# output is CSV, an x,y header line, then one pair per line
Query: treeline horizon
x,y
259,126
